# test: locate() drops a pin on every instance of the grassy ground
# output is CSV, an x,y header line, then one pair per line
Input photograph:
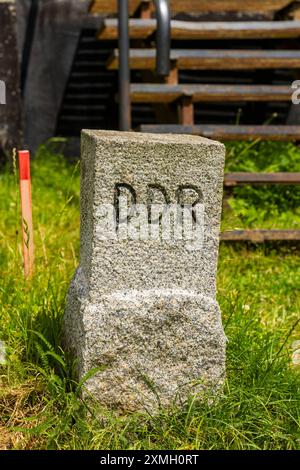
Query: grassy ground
x,y
40,406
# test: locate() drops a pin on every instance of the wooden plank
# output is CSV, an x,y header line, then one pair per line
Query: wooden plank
x,y
160,93
138,29
234,179
228,132
235,30
260,236
206,6
155,93
142,29
202,6
213,59
101,7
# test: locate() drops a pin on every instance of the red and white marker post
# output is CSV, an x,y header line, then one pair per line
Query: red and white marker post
x,y
26,210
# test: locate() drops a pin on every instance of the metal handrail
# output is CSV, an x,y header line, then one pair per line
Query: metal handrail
x,y
124,69
163,46
163,37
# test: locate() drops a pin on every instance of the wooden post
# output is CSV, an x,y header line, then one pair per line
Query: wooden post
x,y
146,10
26,211
172,78
187,111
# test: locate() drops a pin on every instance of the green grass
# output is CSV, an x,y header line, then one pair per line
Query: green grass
x,y
266,207
40,405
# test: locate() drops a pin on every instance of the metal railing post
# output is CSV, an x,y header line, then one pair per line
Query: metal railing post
x,y
163,47
163,37
124,70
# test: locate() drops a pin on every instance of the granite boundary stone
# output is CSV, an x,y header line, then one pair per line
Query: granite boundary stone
x,y
145,312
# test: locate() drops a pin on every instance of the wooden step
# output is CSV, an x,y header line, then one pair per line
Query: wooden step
x,y
227,132
206,6
213,59
234,179
260,236
201,6
161,93
142,29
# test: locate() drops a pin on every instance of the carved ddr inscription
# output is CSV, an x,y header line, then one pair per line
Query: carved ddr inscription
x,y
186,196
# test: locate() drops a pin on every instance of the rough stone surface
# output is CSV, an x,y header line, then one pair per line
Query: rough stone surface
x,y
11,112
57,31
145,311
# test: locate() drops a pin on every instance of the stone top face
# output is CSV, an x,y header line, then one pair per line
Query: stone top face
x,y
139,137
150,169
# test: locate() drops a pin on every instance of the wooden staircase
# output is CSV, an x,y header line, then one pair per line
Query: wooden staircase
x,y
264,42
